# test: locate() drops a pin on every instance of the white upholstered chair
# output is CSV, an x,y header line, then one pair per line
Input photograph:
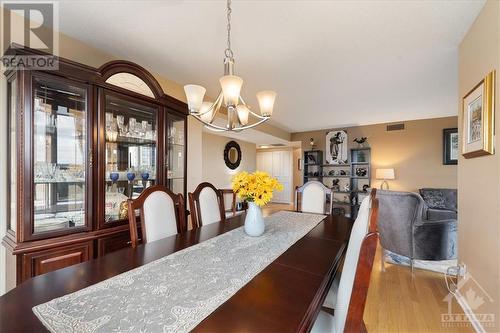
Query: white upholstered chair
x,y
207,205
162,214
312,197
350,295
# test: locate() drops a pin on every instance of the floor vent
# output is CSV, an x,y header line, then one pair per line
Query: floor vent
x,y
395,127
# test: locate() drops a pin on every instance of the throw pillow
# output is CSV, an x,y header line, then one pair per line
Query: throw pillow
x,y
434,199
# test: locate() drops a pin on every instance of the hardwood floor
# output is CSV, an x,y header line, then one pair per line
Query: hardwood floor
x,y
398,302
275,207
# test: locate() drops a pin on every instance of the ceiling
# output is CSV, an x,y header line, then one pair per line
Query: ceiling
x,y
333,63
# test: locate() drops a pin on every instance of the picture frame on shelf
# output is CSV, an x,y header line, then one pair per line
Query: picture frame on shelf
x,y
450,146
478,119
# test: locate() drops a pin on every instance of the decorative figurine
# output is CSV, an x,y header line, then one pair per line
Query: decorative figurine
x,y
360,141
347,187
366,187
311,142
123,211
335,185
361,172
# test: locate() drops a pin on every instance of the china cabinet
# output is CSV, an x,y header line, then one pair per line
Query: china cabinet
x,y
81,141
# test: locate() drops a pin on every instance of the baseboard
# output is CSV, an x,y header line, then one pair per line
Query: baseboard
x,y
476,324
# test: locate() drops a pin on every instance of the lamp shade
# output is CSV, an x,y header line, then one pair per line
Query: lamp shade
x,y
384,174
242,114
206,112
231,87
266,102
194,95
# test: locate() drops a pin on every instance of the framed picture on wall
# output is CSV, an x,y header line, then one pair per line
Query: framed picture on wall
x,y
478,118
450,146
336,147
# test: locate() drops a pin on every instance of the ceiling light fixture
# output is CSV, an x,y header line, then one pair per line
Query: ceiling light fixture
x,y
229,97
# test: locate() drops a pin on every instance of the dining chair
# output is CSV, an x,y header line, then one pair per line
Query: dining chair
x,y
161,213
355,278
230,200
206,203
312,197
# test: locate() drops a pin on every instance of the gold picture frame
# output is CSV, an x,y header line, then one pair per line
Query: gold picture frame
x,y
478,116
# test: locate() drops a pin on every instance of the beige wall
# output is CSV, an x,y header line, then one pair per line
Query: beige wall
x,y
415,153
479,178
215,170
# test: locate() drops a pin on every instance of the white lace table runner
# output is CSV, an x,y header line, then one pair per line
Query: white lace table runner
x,y
175,293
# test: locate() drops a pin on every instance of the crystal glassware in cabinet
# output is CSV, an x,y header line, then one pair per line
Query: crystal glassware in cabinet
x,y
130,154
59,155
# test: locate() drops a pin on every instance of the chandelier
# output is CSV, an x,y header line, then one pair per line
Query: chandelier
x,y
229,98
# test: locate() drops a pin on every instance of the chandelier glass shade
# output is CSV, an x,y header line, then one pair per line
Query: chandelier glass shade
x,y
229,100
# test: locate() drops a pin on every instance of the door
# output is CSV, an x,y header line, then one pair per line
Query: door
x,y
60,158
279,165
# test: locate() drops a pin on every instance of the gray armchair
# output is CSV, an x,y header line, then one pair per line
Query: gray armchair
x,y
406,230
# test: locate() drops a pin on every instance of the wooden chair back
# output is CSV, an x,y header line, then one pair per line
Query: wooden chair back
x,y
354,320
318,202
165,214
213,211
232,207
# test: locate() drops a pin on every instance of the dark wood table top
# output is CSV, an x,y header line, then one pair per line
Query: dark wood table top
x,y
285,297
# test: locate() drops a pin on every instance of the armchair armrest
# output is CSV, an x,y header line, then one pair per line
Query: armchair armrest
x,y
435,240
434,214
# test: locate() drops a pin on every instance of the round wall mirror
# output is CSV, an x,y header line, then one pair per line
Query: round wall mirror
x,y
232,155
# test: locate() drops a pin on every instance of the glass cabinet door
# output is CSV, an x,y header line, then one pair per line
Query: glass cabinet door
x,y
130,152
59,155
175,162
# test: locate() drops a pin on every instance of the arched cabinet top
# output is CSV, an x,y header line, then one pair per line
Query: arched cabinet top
x,y
130,76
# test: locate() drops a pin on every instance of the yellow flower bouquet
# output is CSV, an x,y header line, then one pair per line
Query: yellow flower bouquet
x,y
255,187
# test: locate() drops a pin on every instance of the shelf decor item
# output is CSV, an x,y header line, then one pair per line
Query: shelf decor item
x,y
114,176
360,141
130,177
257,190
478,114
145,177
229,98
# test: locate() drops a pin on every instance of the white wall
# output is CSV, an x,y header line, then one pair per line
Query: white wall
x,y
214,168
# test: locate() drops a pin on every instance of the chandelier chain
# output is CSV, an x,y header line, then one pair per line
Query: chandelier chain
x,y
228,52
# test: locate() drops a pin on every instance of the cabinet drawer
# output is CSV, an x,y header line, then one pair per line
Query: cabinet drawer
x,y
112,243
41,262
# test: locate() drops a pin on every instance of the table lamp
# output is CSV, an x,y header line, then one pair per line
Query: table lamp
x,y
384,174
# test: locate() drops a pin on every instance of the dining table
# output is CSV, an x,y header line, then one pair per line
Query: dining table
x,y
286,296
